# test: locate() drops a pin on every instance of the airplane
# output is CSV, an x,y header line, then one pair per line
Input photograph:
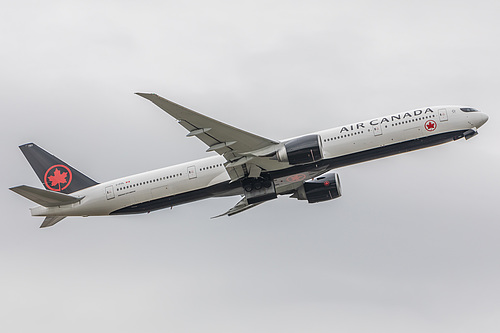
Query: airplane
x,y
253,167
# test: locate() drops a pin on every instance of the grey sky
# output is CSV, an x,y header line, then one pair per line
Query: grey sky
x,y
412,245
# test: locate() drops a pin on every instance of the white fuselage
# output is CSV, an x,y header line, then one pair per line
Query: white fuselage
x,y
185,178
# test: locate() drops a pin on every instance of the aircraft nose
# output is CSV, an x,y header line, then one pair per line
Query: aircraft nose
x,y
482,119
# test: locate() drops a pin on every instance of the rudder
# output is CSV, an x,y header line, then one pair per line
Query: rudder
x,y
55,174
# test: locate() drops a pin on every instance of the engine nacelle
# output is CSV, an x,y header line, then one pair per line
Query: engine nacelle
x,y
323,188
305,149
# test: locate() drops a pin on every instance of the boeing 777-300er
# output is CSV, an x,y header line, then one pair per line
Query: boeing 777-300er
x,y
251,166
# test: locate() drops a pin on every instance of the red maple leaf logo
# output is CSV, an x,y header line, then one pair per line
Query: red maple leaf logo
x,y
430,125
58,178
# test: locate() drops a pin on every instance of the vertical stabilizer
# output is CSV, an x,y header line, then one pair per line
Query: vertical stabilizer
x,y
55,174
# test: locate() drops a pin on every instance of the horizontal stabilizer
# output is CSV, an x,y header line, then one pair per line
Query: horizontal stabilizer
x,y
44,197
51,220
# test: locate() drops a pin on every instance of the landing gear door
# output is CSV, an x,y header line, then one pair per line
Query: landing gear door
x,y
192,172
443,115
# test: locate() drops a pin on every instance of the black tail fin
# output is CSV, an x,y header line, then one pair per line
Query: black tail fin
x,y
55,174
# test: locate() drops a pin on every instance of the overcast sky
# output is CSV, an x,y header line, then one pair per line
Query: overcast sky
x,y
412,246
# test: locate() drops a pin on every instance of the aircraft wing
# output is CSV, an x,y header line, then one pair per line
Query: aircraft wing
x,y
218,136
241,206
236,145
51,220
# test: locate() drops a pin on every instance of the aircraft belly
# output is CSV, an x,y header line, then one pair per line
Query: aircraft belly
x,y
179,198
392,149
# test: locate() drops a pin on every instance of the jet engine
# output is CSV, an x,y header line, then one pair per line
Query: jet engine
x,y
323,188
305,149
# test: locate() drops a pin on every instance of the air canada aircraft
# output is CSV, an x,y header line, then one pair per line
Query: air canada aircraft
x,y
255,168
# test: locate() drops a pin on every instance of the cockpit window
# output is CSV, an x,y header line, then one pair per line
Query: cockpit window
x,y
469,110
